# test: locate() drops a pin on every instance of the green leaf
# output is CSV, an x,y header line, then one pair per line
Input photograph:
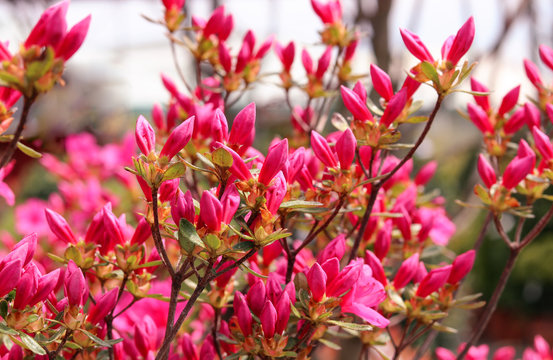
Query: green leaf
x,y
151,263
28,151
430,71
3,309
174,171
213,241
339,122
205,160
221,157
5,329
300,204
247,269
188,237
330,344
351,326
244,246
281,234
97,340
31,344
416,119
482,194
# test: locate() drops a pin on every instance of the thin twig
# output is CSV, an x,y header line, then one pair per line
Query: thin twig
x,y
8,153
157,235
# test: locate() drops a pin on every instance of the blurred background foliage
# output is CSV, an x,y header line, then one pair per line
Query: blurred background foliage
x,y
115,76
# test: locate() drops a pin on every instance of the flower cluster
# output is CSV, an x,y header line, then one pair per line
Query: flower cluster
x,y
187,241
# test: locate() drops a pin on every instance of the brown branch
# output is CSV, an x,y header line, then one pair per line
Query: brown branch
x,y
8,153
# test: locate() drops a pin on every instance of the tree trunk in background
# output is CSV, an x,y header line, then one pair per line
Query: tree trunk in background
x,y
379,23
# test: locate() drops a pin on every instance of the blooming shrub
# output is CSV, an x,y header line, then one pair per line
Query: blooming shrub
x,y
225,252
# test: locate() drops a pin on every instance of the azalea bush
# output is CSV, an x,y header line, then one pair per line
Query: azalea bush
x,y
226,251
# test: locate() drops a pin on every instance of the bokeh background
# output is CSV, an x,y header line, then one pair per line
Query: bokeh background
x,y
116,75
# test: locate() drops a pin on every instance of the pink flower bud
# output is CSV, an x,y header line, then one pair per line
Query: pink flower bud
x,y
516,171
50,28
461,266
307,62
350,49
46,284
394,108
543,144
113,231
331,268
504,353
244,55
376,266
381,82
322,150
104,304
324,62
142,232
546,55
59,226
145,336
224,57
482,101
239,167
316,279
383,240
355,105
406,271
533,115
335,249
444,354
10,275
345,149
230,201
479,118
360,90
256,297
509,101
426,173
515,122
525,150
268,319
462,42
157,116
433,281
16,353
215,22
533,73
23,250
242,312
144,135
26,288
283,311
549,111
486,171
75,286
276,193
73,39
274,162
211,211
168,190
169,85
243,129
329,12
178,138
286,54
345,280
219,127
182,206
420,274
416,46
188,347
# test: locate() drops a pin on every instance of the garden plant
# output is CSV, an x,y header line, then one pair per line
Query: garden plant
x,y
234,252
